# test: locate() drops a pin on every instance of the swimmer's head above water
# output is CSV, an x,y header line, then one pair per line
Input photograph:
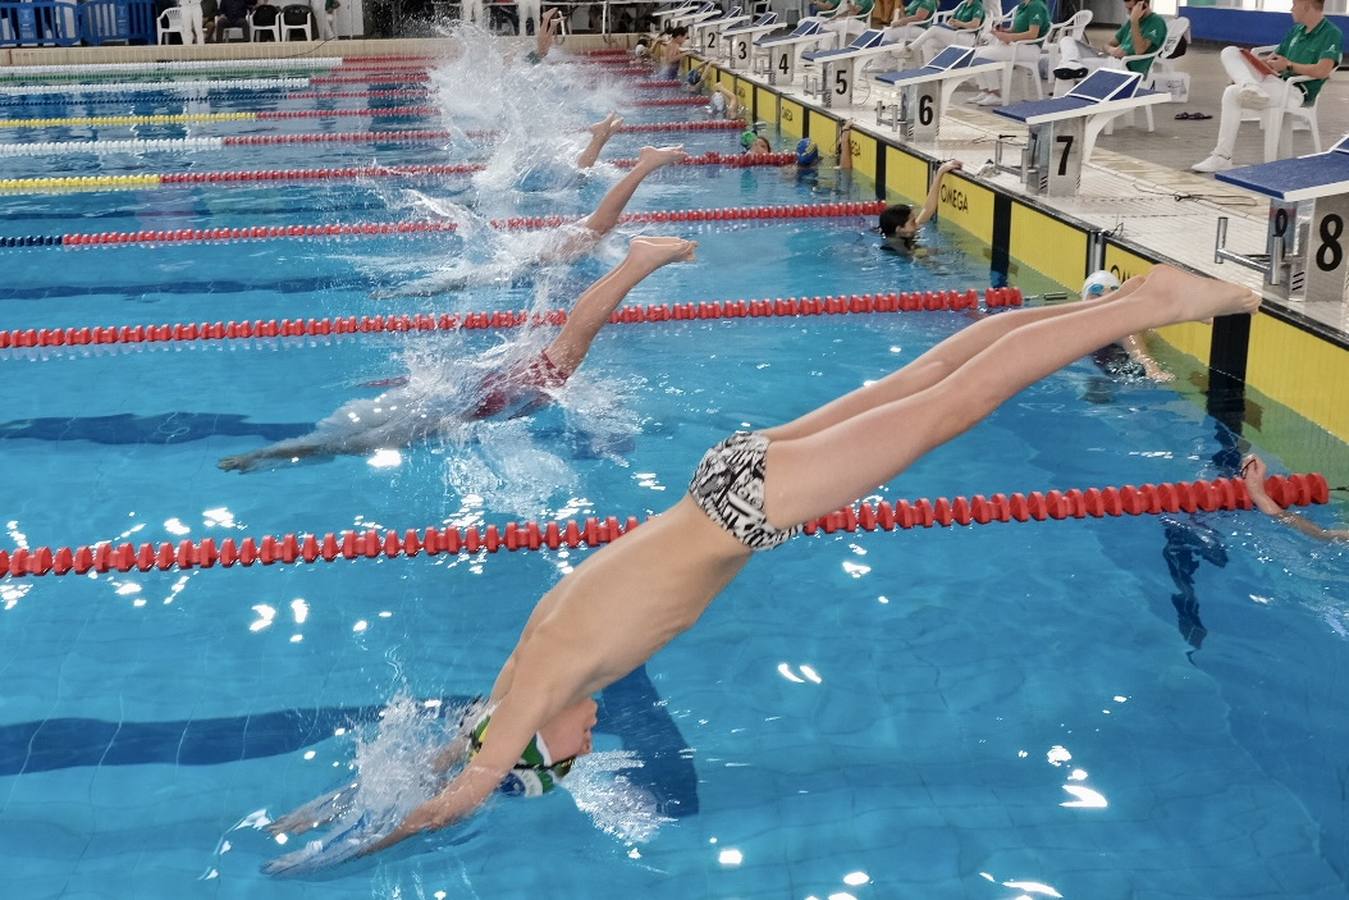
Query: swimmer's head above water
x,y
551,752
1098,284
897,221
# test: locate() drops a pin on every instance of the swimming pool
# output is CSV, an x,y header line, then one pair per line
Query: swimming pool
x,y
1040,710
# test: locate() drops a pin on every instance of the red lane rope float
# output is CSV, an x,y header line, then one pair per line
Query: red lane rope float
x,y
403,57
671,101
357,95
402,112
371,78
423,323
424,135
347,173
1149,499
368,229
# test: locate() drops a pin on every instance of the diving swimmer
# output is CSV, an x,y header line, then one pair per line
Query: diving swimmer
x,y
407,413
753,491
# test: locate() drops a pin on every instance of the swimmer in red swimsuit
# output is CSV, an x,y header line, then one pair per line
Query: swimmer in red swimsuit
x,y
406,413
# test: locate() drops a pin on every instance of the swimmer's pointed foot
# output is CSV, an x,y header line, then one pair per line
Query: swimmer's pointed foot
x,y
654,252
1202,299
655,157
608,126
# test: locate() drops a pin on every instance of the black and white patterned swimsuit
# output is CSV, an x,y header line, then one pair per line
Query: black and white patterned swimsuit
x,y
729,487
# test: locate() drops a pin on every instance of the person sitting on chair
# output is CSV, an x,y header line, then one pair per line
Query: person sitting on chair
x,y
1030,22
1144,32
1312,49
232,14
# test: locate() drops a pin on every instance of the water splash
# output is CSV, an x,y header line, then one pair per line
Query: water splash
x,y
618,808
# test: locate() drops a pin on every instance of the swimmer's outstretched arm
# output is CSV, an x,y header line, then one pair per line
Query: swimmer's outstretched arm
x,y
1254,472
304,447
514,722
934,196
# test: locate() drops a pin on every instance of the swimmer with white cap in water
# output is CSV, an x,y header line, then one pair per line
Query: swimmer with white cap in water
x,y
755,490
1102,283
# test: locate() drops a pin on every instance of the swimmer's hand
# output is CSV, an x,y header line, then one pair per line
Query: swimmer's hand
x,y
316,855
244,462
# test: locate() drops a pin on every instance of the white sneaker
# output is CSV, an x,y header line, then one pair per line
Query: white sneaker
x,y
1250,96
992,98
978,98
1214,163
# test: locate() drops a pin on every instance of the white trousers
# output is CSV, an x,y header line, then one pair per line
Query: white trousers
x,y
1279,92
904,33
935,40
530,9
999,52
1072,51
193,31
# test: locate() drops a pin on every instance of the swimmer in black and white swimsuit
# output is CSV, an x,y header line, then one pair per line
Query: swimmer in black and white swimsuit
x,y
753,491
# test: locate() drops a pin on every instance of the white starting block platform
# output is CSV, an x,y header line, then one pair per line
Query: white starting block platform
x,y
782,53
1063,130
1315,257
838,68
925,93
682,9
706,34
689,18
737,41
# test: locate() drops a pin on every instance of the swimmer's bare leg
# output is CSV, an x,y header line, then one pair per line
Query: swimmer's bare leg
x,y
934,365
605,216
600,133
593,308
880,443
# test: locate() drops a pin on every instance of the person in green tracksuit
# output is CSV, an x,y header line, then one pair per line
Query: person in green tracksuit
x,y
1312,50
1030,24
1144,32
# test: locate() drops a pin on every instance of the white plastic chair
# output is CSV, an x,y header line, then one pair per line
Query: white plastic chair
x,y
1075,27
170,21
256,31
1278,133
1027,57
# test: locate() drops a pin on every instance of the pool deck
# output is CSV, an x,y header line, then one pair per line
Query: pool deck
x,y
1170,213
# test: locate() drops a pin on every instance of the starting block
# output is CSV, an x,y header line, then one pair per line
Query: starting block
x,y
1063,130
738,41
1312,258
781,53
838,68
924,93
706,34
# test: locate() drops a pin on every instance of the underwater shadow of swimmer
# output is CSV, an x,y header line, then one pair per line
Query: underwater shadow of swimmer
x,y
629,709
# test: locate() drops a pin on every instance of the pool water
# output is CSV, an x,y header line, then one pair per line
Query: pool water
x,y
1150,707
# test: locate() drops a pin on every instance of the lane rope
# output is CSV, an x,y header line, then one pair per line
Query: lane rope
x,y
243,86
437,226
394,112
150,180
1226,494
426,323
405,137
